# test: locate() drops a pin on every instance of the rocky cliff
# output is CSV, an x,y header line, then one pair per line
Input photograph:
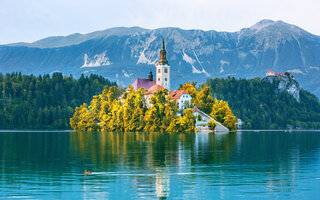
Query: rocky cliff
x,y
285,83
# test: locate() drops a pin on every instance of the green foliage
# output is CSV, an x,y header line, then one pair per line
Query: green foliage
x,y
212,124
44,102
261,106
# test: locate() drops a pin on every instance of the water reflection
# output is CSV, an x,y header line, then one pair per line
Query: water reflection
x,y
157,165
150,150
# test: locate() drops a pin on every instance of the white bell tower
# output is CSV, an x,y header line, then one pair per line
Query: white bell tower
x,y
163,69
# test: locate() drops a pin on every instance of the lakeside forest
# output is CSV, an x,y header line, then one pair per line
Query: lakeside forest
x,y
48,102
44,102
260,105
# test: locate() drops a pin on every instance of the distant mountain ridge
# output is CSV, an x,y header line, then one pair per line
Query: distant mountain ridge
x,y
124,54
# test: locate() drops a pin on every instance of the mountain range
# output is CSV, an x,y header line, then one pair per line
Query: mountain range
x,y
124,54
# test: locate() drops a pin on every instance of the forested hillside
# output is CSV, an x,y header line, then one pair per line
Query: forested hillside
x,y
44,102
260,105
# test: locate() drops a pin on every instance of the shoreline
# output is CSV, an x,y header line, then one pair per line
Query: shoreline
x,y
239,130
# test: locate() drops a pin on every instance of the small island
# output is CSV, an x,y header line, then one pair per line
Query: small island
x,y
148,105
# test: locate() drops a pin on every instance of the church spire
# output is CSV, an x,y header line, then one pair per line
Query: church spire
x,y
163,54
163,48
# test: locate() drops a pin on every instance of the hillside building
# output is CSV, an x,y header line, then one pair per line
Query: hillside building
x,y
282,74
182,98
270,73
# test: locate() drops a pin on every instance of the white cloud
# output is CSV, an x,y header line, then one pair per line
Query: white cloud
x,y
295,71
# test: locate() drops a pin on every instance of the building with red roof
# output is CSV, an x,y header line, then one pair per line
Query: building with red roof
x,y
270,73
150,91
182,97
154,88
196,109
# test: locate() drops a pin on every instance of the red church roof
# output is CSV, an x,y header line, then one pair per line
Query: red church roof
x,y
177,94
141,82
195,109
271,72
154,88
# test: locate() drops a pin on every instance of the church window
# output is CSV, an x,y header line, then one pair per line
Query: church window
x,y
165,79
165,70
159,70
158,79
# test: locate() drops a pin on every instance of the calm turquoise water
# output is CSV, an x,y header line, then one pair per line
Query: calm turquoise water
x,y
245,165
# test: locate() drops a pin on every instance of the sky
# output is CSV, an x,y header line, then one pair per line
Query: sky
x,y
31,20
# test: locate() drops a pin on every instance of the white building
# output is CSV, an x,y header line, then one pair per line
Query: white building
x,y
182,97
270,73
163,69
239,123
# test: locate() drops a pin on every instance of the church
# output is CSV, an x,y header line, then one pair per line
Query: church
x,y
182,97
162,81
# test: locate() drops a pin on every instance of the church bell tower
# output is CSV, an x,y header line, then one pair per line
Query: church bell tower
x,y
163,69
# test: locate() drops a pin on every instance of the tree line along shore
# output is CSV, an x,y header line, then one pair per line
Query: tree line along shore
x,y
49,101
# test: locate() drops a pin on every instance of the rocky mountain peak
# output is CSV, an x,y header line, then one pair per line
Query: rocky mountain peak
x,y
262,24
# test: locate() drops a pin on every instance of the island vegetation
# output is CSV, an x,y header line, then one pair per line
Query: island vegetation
x,y
127,112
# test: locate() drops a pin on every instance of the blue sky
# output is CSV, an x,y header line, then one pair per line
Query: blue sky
x,y
30,20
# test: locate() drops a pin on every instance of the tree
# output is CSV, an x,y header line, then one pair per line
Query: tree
x,y
205,102
187,122
212,124
192,91
222,113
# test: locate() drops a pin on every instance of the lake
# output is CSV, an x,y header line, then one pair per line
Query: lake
x,y
242,165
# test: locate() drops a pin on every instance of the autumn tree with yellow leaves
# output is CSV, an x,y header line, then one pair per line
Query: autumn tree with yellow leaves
x,y
129,113
219,110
